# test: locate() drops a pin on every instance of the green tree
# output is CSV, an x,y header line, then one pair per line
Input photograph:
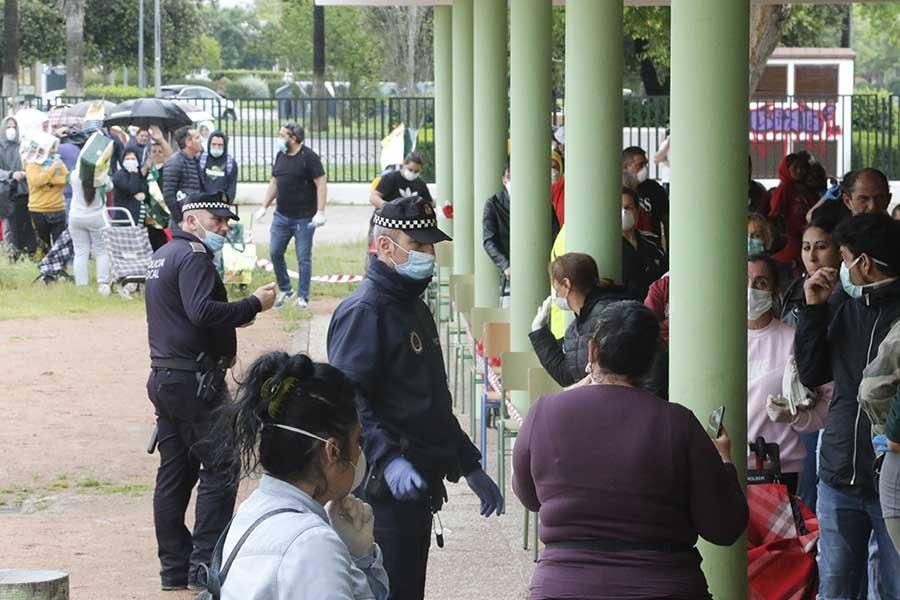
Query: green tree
x,y
354,54
239,34
41,28
876,41
812,26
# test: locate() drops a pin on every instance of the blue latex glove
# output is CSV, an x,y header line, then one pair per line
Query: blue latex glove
x,y
487,491
404,481
880,444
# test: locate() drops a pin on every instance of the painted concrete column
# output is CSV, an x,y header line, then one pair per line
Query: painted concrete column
x,y
594,132
463,157
491,109
443,110
710,41
530,29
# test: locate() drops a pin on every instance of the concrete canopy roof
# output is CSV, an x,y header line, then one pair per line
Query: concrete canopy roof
x,y
562,2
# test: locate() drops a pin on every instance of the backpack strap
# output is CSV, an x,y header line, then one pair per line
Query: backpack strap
x,y
203,162
216,573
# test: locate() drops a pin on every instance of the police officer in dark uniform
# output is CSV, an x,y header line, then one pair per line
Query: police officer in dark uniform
x,y
383,337
191,326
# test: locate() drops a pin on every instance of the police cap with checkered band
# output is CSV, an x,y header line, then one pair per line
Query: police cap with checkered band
x,y
216,203
414,216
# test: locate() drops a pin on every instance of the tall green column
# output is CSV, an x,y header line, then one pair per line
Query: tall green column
x,y
443,110
594,135
530,28
708,293
463,147
491,102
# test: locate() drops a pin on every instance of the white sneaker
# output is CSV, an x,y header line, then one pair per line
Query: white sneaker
x,y
281,297
302,303
103,289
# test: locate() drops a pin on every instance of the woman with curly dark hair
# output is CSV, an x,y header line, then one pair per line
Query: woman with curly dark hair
x,y
308,537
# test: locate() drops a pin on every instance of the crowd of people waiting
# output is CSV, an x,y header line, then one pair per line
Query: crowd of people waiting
x,y
823,318
147,178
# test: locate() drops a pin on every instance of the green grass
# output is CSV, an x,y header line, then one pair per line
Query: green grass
x,y
20,298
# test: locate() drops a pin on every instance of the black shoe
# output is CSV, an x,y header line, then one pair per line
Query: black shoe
x,y
197,580
171,585
196,586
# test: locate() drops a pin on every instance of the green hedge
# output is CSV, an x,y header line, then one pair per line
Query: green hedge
x,y
116,91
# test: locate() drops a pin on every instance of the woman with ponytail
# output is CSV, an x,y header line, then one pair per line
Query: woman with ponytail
x,y
296,420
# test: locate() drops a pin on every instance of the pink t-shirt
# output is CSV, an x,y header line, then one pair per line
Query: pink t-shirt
x,y
768,351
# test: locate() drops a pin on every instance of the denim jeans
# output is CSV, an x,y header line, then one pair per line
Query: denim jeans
x,y
282,230
847,522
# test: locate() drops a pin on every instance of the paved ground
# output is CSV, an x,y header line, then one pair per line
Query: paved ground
x,y
76,484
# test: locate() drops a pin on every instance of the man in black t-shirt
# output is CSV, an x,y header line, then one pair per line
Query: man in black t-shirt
x,y
299,184
653,198
405,181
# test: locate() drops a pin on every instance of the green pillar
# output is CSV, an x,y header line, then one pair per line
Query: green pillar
x,y
443,110
709,116
594,136
463,147
491,109
530,28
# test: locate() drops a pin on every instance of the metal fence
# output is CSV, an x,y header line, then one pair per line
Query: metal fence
x,y
842,132
345,132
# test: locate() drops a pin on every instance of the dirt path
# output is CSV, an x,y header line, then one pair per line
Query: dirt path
x,y
75,481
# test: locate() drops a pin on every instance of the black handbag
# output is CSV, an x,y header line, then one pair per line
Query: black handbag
x,y
216,572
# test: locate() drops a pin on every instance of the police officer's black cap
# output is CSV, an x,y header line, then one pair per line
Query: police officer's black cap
x,y
414,216
216,203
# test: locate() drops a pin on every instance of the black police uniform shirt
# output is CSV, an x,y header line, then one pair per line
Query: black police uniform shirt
x,y
383,337
296,191
187,305
654,201
394,185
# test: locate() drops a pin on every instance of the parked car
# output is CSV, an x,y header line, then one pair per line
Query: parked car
x,y
217,105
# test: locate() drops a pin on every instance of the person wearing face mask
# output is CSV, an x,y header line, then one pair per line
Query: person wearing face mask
x,y
383,337
17,227
653,201
495,230
191,330
623,481
182,173
218,169
578,288
130,186
300,534
643,262
300,185
837,346
399,183
770,345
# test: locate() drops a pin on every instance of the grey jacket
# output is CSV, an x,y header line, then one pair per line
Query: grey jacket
x,y
10,160
293,556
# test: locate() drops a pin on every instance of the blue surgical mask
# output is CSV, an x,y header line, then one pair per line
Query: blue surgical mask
x,y
755,246
853,290
282,146
419,265
211,239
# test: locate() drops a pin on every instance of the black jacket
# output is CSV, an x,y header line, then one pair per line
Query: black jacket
x,y
383,337
219,174
182,175
125,186
794,299
643,265
495,227
837,349
187,305
565,360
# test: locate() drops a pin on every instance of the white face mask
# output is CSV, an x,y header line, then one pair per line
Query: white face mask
x,y
554,175
643,174
508,186
130,165
359,469
11,134
627,220
759,302
216,152
561,303
409,175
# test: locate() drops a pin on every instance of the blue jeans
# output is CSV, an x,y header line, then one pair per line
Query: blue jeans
x,y
847,522
283,229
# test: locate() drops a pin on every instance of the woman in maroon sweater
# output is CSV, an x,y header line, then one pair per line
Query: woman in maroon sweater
x,y
624,481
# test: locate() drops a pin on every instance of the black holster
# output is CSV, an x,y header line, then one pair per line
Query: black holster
x,y
211,384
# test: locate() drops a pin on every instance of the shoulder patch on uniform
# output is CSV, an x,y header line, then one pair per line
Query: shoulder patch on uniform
x,y
198,247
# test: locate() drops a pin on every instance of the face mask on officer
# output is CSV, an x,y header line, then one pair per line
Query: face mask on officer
x,y
419,265
359,468
211,239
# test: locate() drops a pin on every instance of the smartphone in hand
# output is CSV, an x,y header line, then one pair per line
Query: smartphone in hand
x,y
714,423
